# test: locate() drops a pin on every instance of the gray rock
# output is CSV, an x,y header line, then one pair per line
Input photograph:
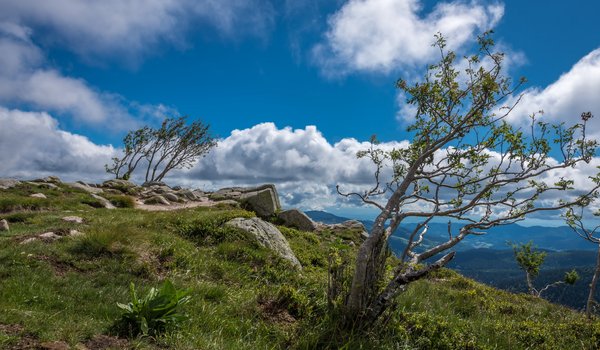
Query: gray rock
x,y
153,183
29,240
85,187
49,236
49,179
171,197
161,189
268,236
353,225
75,219
38,195
8,183
157,200
177,188
297,219
118,183
105,202
4,225
40,184
188,194
264,202
75,233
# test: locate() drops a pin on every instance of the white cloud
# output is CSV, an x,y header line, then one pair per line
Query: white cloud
x,y
25,79
389,35
32,145
303,164
576,91
130,28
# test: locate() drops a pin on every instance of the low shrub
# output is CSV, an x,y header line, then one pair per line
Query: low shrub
x,y
122,201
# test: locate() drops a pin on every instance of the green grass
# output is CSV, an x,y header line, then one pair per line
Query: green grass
x,y
242,295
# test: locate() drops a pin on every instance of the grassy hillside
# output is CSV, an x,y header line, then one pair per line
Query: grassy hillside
x,y
65,292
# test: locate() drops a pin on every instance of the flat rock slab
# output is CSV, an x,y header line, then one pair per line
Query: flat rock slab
x,y
268,236
38,195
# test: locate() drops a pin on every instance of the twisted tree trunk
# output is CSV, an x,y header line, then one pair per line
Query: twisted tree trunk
x,y
590,300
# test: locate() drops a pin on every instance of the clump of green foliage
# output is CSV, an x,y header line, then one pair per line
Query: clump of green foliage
x,y
154,313
122,201
211,229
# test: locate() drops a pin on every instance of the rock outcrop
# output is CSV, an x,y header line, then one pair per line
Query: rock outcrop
x,y
268,236
349,225
85,187
297,219
8,183
263,200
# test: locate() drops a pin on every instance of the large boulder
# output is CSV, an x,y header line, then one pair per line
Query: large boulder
x,y
297,219
263,200
8,183
268,236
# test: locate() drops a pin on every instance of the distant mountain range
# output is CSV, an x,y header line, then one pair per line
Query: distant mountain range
x,y
550,238
489,258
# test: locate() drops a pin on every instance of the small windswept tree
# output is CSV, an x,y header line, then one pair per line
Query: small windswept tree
x,y
530,260
175,145
465,164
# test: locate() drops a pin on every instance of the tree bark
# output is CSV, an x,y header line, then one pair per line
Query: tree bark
x,y
590,300
398,283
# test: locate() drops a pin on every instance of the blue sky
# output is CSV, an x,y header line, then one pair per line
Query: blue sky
x,y
75,76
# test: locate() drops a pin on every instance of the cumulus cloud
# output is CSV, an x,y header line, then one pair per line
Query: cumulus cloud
x,y
130,28
303,164
26,79
33,145
576,91
387,35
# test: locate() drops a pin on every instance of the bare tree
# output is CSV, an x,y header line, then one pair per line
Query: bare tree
x,y
465,164
530,260
175,145
575,221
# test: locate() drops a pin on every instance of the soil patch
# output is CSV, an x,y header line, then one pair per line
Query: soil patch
x,y
272,311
